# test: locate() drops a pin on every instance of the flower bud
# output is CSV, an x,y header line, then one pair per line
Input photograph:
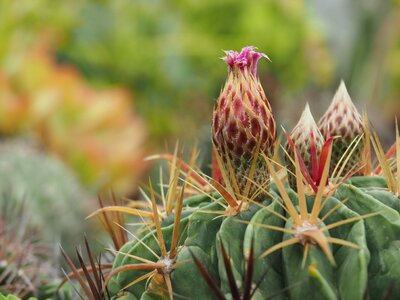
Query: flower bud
x,y
343,121
242,120
308,141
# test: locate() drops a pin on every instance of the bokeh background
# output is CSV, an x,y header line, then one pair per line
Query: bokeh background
x,y
88,88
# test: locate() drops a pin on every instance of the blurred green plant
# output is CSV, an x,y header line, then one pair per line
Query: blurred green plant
x,y
26,263
12,297
54,201
392,62
166,51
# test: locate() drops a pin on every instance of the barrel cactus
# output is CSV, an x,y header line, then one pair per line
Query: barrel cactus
x,y
41,181
328,235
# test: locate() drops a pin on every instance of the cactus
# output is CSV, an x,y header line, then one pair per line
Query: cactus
x,y
43,182
26,266
330,235
331,240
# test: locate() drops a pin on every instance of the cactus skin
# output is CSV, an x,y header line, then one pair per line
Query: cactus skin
x,y
344,121
243,118
302,135
374,268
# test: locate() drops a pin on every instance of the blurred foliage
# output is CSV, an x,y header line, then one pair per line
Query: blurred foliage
x,y
94,131
390,83
167,51
374,64
24,262
27,267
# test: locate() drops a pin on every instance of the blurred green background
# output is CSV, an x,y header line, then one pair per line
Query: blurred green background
x,y
101,84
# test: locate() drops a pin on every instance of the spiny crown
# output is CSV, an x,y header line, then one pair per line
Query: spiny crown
x,y
341,118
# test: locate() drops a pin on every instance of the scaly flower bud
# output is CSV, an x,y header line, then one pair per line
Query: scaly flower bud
x,y
344,121
243,120
308,141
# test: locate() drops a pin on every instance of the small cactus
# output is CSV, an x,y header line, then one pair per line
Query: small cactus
x,y
26,264
243,124
42,181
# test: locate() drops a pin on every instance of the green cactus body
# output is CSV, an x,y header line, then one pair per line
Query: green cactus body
x,y
374,268
324,236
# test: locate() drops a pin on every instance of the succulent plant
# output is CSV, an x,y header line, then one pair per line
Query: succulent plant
x,y
330,235
42,181
26,263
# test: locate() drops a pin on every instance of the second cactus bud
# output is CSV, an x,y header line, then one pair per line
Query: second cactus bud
x,y
344,122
